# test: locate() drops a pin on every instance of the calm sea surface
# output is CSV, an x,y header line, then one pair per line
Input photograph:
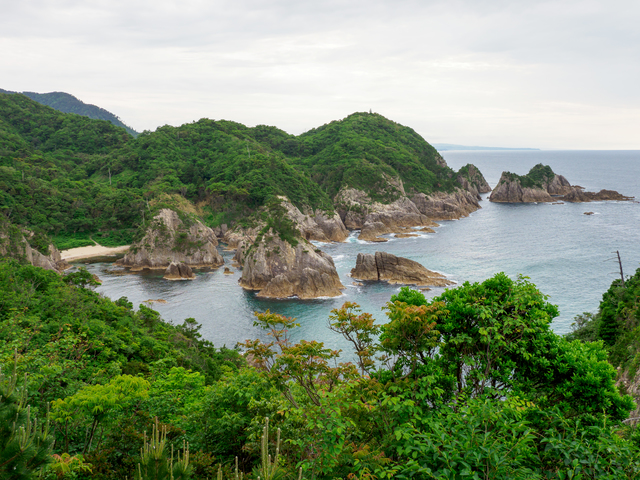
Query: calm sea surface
x,y
567,254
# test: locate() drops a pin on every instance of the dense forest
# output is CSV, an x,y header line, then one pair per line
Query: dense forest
x,y
471,384
67,103
74,178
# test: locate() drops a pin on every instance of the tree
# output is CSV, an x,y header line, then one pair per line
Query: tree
x,y
25,445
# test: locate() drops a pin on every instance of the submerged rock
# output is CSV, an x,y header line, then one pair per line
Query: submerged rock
x,y
387,267
178,271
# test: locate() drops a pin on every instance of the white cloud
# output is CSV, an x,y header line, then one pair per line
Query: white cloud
x,y
559,74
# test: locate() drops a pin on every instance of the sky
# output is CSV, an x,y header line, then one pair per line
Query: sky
x,y
514,73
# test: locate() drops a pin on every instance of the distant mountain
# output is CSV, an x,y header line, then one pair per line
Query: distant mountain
x,y
66,103
449,146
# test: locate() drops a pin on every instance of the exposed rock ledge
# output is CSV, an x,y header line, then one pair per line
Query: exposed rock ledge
x,y
387,267
279,270
359,211
169,239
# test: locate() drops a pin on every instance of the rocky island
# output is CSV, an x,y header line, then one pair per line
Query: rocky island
x,y
385,267
541,184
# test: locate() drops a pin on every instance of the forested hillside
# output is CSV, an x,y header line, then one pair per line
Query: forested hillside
x,y
471,384
73,178
66,103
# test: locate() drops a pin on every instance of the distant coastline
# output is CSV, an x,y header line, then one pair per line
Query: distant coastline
x,y
449,146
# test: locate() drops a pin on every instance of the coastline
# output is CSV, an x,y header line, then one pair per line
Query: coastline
x,y
92,251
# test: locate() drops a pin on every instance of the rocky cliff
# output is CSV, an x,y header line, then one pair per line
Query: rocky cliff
x,y
471,180
280,269
316,225
14,243
387,267
171,237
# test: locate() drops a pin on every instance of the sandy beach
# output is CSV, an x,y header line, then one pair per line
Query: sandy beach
x,y
92,251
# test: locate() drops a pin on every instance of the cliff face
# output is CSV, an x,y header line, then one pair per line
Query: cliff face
x,y
316,225
279,270
169,240
387,267
511,191
472,181
358,211
14,243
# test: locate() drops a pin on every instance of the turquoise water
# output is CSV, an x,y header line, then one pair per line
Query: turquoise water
x,y
567,254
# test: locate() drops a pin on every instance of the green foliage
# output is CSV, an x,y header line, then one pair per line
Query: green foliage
x,y
157,464
25,442
538,176
365,151
66,103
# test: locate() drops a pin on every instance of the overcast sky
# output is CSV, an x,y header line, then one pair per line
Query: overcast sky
x,y
517,73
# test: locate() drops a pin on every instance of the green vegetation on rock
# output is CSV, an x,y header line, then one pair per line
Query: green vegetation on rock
x,y
537,177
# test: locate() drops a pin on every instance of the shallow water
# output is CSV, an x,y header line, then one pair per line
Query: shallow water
x,y
567,254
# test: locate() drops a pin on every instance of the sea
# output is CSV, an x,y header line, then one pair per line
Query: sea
x,y
570,256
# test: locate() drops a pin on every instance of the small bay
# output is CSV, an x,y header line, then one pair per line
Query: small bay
x,y
567,254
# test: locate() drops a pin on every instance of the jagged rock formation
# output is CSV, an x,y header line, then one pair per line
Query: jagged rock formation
x,y
172,239
447,206
14,243
279,269
316,225
472,181
178,271
542,185
358,211
387,267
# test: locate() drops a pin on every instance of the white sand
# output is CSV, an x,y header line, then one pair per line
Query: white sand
x,y
92,251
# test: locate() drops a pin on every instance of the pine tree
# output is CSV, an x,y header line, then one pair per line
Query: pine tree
x,y
25,446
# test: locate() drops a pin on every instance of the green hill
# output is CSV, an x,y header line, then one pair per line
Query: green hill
x,y
71,177
360,150
66,103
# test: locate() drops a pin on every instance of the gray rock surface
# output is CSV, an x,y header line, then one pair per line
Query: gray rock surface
x,y
279,270
387,267
178,271
511,191
14,243
169,240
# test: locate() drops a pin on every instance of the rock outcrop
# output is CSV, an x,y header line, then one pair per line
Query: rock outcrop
x,y
447,206
14,243
471,180
316,225
358,211
172,239
178,271
279,269
373,219
387,267
579,195
542,185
